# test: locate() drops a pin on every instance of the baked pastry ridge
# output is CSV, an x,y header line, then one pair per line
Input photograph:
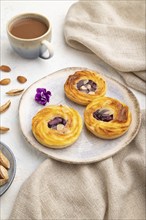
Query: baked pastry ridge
x,y
84,86
107,118
57,126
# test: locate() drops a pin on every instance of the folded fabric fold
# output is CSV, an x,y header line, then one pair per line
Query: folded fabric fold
x,y
114,31
111,189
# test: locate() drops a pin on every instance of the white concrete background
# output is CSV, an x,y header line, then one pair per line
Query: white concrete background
x,y
27,158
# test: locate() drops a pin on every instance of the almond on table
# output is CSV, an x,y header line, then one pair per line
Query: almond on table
x,y
21,79
5,82
5,106
5,68
14,92
3,129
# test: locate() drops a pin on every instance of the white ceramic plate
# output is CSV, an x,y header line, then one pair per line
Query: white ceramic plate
x,y
9,154
87,148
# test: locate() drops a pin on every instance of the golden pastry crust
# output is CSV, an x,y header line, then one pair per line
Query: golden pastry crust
x,y
84,86
107,118
57,126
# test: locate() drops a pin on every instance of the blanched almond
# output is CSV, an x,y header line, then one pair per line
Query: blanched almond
x,y
14,92
89,86
85,81
83,88
4,130
5,68
5,81
60,127
4,107
91,93
21,79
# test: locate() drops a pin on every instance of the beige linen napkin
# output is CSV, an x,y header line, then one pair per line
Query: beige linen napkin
x,y
115,32
113,189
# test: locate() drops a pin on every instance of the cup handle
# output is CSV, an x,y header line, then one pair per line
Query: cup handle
x,y
49,47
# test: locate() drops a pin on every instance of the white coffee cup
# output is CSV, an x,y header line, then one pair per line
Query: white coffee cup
x,y
33,46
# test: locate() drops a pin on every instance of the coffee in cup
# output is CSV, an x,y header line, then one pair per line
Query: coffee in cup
x,y
30,35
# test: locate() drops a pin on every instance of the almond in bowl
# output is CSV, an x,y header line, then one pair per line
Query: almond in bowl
x,y
4,166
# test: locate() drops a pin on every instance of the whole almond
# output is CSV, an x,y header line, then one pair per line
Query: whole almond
x,y
14,92
4,173
4,107
4,160
5,68
21,79
3,181
5,82
3,130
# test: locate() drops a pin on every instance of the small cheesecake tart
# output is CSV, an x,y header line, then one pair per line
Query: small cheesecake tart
x,y
57,126
84,86
107,118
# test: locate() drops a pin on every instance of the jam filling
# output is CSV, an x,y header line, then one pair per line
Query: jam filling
x,y
103,115
56,121
86,86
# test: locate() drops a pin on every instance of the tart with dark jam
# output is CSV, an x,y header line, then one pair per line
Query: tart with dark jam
x,y
57,126
84,86
107,118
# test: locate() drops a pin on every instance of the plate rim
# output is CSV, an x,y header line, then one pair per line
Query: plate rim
x,y
87,161
14,168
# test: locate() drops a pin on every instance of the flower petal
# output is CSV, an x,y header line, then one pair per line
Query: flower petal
x,y
39,90
42,96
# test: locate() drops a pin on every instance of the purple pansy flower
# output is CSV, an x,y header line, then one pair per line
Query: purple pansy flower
x,y
42,96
